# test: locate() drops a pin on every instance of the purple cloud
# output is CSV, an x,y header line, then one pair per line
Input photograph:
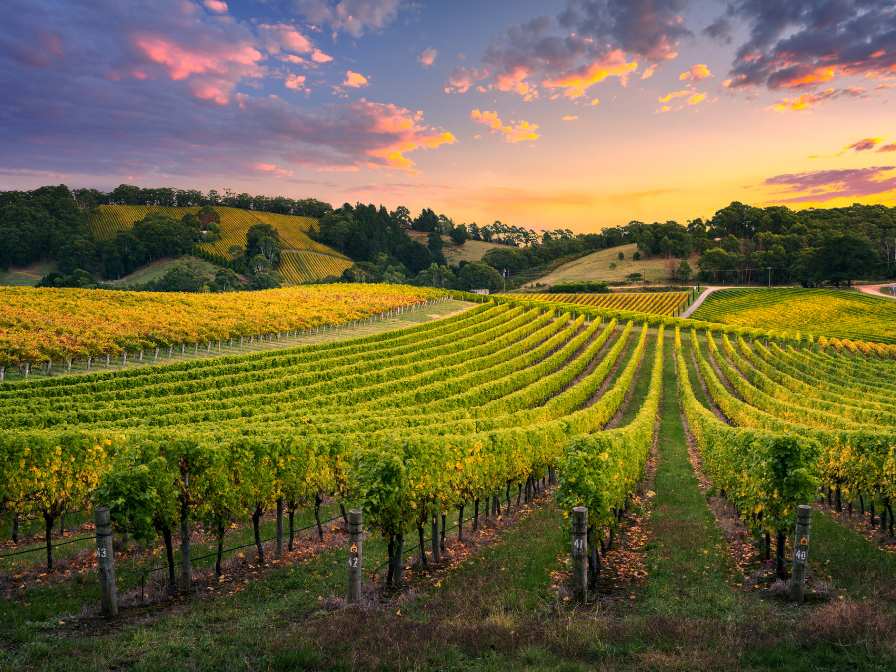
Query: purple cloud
x,y
825,185
864,145
803,43
164,87
582,38
354,17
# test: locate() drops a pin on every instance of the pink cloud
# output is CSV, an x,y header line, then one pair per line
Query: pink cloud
x,y
284,37
515,80
295,82
513,132
825,185
462,79
271,169
355,80
427,57
888,148
213,71
216,6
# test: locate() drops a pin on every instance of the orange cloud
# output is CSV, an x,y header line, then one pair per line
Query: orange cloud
x,y
696,98
405,132
320,57
695,73
809,100
355,80
816,76
576,83
569,117
681,93
512,132
649,71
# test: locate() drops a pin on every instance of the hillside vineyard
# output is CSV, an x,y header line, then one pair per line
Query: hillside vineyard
x,y
422,420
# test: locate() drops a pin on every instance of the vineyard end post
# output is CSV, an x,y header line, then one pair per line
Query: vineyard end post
x,y
105,559
800,552
355,555
580,551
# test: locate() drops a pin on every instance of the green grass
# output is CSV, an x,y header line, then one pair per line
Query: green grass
x,y
690,569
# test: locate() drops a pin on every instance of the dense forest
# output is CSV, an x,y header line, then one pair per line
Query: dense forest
x,y
740,244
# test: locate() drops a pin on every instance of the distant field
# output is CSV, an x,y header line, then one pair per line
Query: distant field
x,y
606,265
108,220
472,250
27,276
656,303
157,269
831,312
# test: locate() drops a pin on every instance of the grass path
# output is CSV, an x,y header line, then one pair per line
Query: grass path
x,y
690,569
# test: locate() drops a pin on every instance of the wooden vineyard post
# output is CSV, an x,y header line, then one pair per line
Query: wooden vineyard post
x,y
355,556
105,560
800,552
580,552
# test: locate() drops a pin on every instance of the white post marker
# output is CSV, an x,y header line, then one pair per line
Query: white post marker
x,y
355,555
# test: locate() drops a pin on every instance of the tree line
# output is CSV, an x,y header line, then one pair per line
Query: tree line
x,y
740,244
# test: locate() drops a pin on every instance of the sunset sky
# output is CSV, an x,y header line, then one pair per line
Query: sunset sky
x,y
574,113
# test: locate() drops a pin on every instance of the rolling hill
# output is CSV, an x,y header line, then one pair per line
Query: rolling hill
x,y
606,265
471,250
304,259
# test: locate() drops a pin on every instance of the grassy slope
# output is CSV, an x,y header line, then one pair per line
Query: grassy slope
x,y
841,313
27,276
157,269
472,250
596,266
